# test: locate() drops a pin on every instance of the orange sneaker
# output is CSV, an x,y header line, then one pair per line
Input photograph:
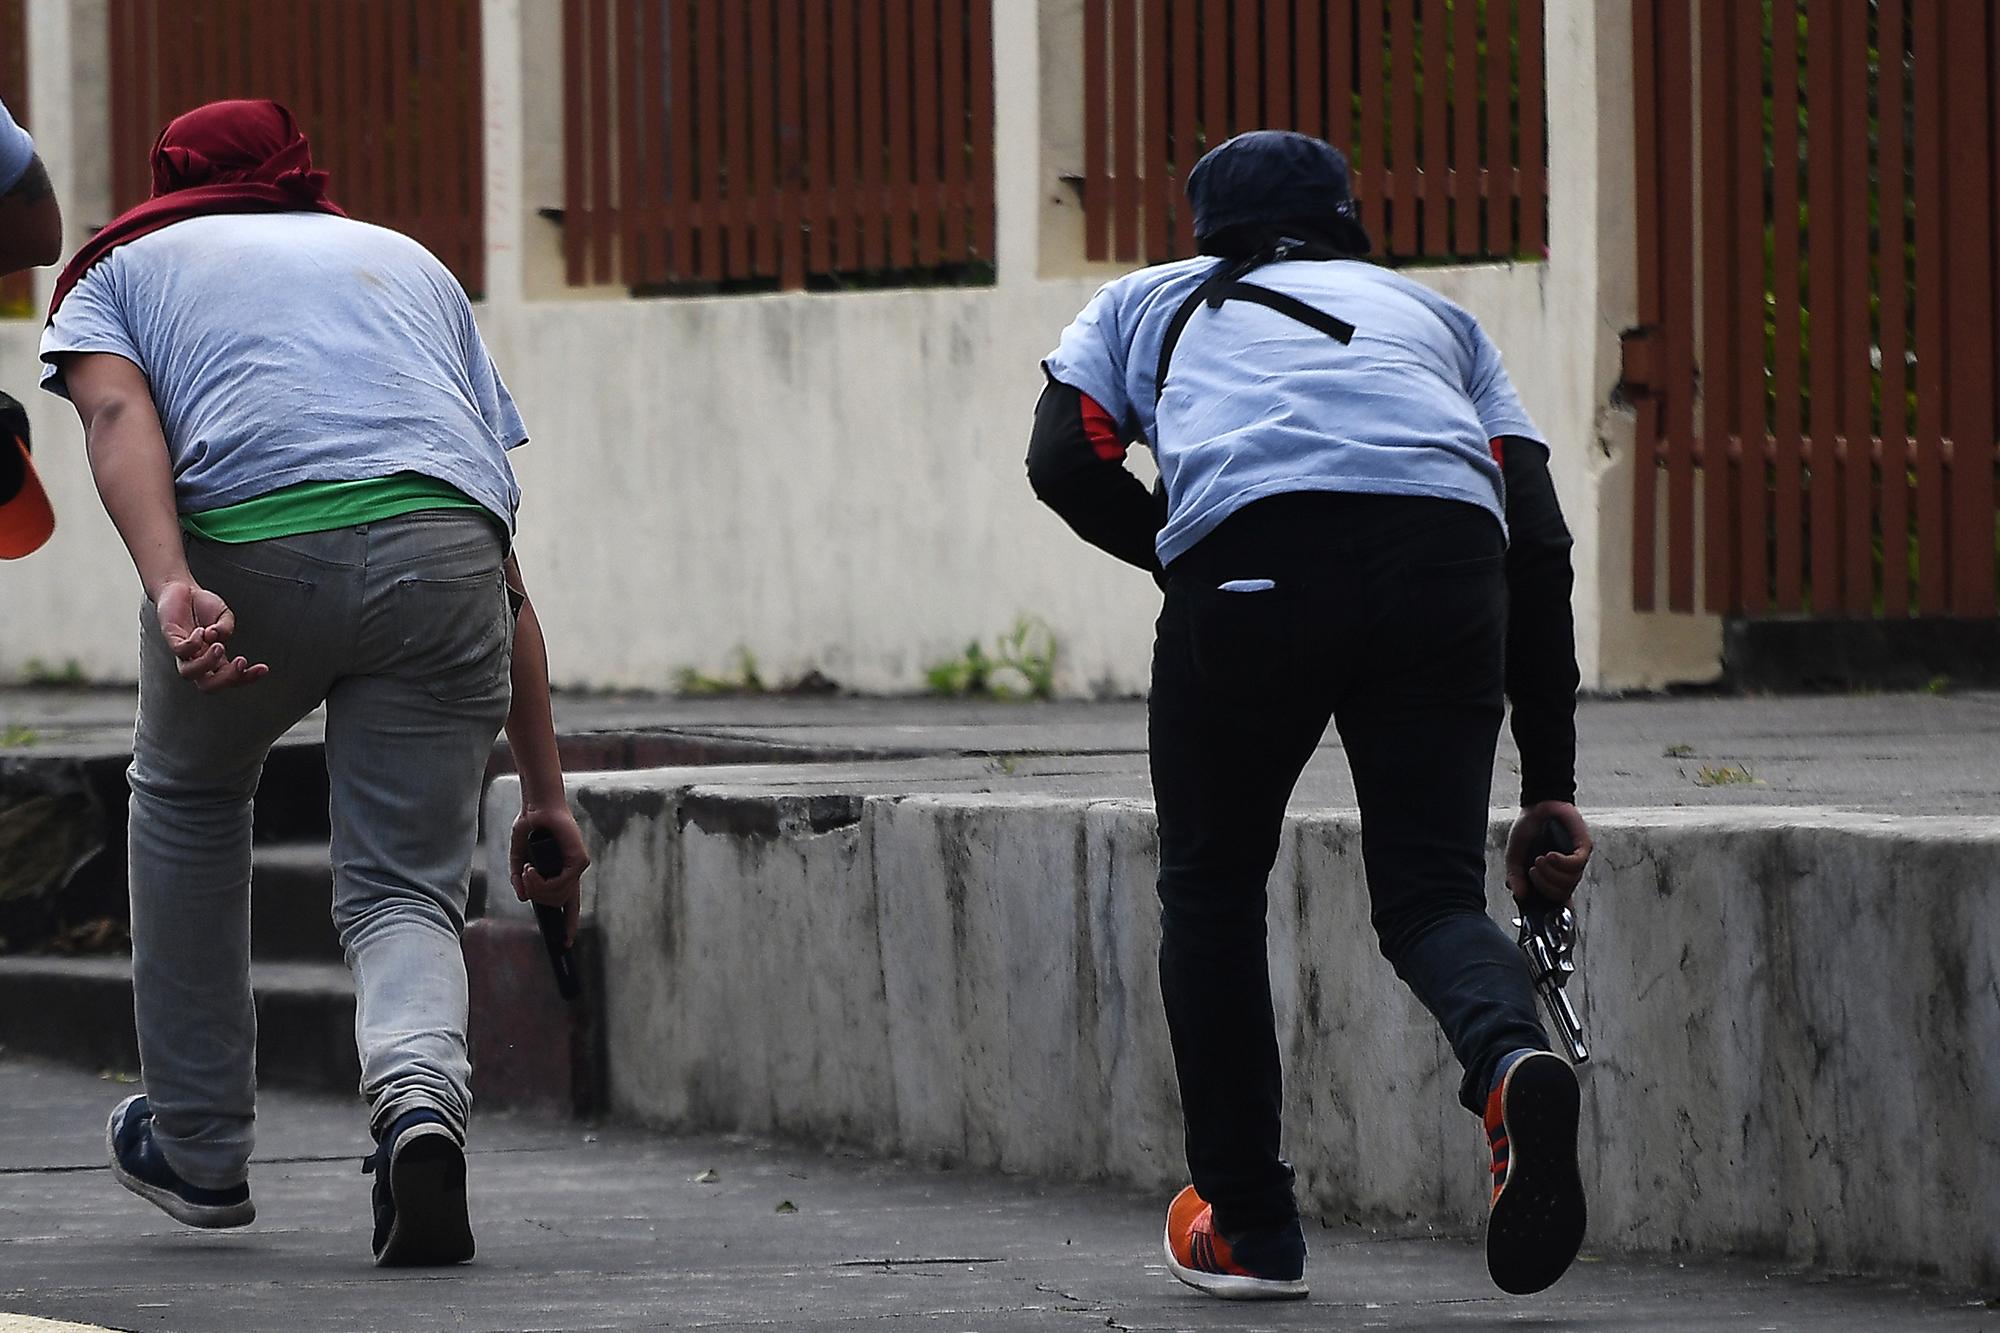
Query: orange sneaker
x,y
1199,1256
1535,1226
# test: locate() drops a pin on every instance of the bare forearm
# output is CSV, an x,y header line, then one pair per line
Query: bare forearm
x,y
531,729
128,461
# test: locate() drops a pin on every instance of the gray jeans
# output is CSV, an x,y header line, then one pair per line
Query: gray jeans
x,y
401,628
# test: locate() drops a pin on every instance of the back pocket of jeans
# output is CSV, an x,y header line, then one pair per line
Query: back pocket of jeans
x,y
456,635
1244,641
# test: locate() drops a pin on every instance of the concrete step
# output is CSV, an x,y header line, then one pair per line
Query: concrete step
x,y
80,1010
291,903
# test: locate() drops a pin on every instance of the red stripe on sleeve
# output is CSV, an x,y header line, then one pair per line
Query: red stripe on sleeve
x,y
1102,430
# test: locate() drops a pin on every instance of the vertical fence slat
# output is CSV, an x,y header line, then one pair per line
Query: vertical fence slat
x,y
1215,73
1931,226
1856,373
707,74
651,41
846,174
1823,213
1891,40
818,126
1969,410
1125,131
923,39
634,142
1677,286
1500,185
1277,44
896,61
1310,51
739,98
1186,94
980,29
1405,177
1340,85
1647,130
789,20
1370,147
1788,373
951,43
1718,293
472,108
391,41
427,125
603,213
682,194
1249,70
1532,114
1746,307
1154,147
1097,203
1465,129
576,136
760,195
1437,108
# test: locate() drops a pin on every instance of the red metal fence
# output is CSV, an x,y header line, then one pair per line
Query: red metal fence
x,y
723,140
17,290
1816,361
389,92
1438,104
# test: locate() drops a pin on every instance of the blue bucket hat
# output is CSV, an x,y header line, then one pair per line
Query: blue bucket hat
x,y
1273,177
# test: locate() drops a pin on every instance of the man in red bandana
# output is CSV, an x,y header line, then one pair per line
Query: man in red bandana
x,y
293,423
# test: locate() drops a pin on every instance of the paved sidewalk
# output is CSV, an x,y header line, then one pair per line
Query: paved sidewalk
x,y
609,1228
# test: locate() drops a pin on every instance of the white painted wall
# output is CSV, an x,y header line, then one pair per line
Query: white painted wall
x,y
834,481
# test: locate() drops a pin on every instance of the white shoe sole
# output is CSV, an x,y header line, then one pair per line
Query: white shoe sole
x,y
1230,1287
211,1216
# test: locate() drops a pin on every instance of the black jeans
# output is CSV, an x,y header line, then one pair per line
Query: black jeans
x,y
1389,617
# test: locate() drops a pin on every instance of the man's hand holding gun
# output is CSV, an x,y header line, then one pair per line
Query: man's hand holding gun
x,y
1546,855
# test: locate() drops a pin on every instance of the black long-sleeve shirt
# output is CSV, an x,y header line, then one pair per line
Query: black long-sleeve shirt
x,y
1076,465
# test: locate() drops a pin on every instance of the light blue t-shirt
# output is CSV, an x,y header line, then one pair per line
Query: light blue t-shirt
x,y
290,347
17,150
1258,403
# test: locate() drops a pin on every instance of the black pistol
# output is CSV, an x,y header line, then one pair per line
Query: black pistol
x,y
547,859
1548,938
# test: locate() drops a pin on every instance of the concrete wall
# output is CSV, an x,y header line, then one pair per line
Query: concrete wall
x,y
1792,1013
834,481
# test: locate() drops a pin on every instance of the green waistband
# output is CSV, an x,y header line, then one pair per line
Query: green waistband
x,y
317,506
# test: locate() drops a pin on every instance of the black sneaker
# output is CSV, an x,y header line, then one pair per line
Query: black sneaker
x,y
1536,1223
138,1165
420,1217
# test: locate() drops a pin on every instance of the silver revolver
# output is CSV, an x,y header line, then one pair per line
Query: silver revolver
x,y
1548,939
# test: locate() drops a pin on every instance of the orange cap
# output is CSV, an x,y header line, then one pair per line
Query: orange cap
x,y
25,517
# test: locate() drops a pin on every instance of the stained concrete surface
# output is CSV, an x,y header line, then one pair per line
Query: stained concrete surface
x,y
584,1227
1914,753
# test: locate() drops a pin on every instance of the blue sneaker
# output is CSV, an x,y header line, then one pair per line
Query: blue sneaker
x,y
419,1196
138,1165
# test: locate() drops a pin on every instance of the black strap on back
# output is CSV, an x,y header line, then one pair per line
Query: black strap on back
x,y
1226,284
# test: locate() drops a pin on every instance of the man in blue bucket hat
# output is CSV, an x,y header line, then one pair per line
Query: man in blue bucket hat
x,y
1355,523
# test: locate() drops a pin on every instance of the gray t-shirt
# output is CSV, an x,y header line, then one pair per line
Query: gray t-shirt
x,y
292,347
1259,404
17,150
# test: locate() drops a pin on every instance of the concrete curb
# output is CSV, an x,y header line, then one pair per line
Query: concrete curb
x,y
1792,1010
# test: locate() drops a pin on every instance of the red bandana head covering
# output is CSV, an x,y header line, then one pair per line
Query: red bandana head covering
x,y
225,157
